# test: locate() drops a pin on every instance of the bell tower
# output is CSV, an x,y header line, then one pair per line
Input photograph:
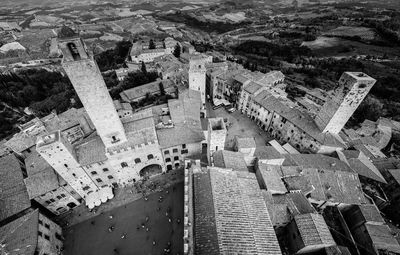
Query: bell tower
x,y
88,83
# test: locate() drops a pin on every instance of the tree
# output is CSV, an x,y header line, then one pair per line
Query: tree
x,y
177,50
143,68
152,46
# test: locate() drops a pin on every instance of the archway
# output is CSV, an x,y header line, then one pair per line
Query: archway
x,y
71,205
150,170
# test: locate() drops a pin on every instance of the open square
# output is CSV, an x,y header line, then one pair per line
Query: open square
x,y
131,233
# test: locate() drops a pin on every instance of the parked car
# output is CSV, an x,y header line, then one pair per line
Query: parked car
x,y
217,106
230,110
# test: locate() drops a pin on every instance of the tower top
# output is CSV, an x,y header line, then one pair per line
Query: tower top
x,y
66,32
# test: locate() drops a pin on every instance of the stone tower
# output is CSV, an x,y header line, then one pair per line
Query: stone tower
x,y
216,136
88,83
60,155
353,88
197,75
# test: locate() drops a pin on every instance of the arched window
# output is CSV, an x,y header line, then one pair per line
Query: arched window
x,y
124,164
74,51
137,160
150,156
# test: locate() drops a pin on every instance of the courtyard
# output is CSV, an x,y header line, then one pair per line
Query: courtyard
x,y
150,225
240,125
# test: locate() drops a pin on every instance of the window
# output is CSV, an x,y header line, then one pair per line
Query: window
x,y
47,226
58,236
169,167
47,237
110,177
52,200
184,151
175,150
105,169
150,156
99,180
86,188
62,195
167,160
183,146
124,164
93,172
59,197
137,160
73,174
176,158
176,164
66,165
40,233
40,222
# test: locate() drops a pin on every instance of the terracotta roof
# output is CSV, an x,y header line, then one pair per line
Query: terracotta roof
x,y
267,152
313,230
21,235
13,194
91,151
242,220
185,116
40,183
396,174
371,213
252,87
138,92
298,204
205,233
230,159
277,210
319,161
382,238
271,178
245,142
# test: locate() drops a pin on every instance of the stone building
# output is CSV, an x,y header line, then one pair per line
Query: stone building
x,y
308,233
31,234
47,188
334,114
60,154
88,83
216,136
370,231
178,128
140,51
197,75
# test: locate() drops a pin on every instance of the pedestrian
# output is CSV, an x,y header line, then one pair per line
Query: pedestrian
x,y
169,219
147,218
178,221
147,229
154,242
110,216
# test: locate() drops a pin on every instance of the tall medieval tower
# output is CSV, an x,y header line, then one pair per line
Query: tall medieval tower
x,y
334,114
197,75
88,83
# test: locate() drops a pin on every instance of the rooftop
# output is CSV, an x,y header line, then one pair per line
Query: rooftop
x,y
240,208
136,93
230,159
382,238
91,150
271,178
20,235
313,230
13,194
245,142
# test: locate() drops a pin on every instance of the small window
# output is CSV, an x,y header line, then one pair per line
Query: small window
x,y
105,169
110,177
167,160
184,151
59,197
66,165
40,233
52,200
124,164
86,188
93,172
176,158
175,150
176,164
74,175
166,152
40,222
150,156
62,195
47,237
99,180
47,226
183,146
137,160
